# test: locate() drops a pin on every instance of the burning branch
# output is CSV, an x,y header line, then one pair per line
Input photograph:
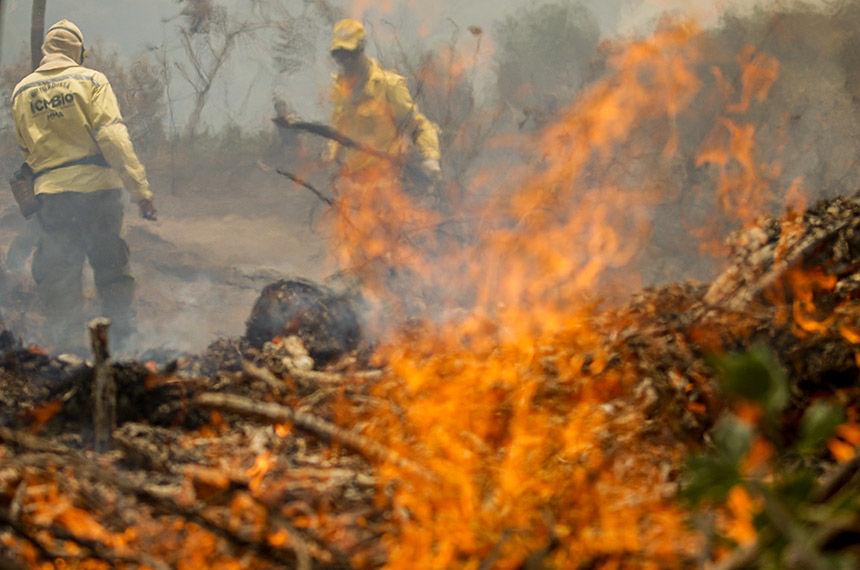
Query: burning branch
x,y
53,455
96,548
298,180
302,182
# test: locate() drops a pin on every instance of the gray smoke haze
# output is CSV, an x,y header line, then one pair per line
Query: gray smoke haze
x,y
244,94
231,227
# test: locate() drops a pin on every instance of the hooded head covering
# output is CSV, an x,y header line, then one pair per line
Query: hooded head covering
x,y
63,46
348,35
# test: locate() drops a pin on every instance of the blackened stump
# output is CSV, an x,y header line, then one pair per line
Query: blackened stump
x,y
323,319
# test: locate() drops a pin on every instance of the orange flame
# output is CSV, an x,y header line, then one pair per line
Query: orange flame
x,y
258,470
504,390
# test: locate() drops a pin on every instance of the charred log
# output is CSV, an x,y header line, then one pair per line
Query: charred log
x,y
323,319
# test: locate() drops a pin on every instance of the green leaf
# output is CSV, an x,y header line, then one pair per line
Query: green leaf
x,y
709,478
712,476
795,487
732,437
771,559
819,423
838,561
761,521
755,376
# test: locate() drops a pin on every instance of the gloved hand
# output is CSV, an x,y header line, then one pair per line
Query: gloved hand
x,y
147,209
431,169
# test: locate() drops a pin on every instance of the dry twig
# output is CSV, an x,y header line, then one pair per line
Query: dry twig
x,y
323,429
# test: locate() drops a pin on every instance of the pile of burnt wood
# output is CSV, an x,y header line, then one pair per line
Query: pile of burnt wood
x,y
190,439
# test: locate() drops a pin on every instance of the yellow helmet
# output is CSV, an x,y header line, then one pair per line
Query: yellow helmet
x,y
348,34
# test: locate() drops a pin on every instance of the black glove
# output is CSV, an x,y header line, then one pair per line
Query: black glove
x,y
147,209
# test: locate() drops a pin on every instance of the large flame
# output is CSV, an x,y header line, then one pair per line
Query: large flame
x,y
499,383
505,392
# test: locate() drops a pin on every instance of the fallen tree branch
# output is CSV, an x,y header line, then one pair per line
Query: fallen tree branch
x,y
331,378
32,442
37,545
828,486
744,558
833,482
303,556
323,429
266,376
730,292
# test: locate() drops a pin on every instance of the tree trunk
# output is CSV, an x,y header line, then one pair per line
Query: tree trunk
x,y
1,26
194,118
37,32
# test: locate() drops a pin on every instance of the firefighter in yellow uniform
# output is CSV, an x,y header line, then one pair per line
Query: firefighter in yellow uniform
x,y
71,132
373,107
381,182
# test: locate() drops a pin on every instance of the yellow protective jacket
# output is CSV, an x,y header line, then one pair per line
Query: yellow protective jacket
x,y
66,113
379,114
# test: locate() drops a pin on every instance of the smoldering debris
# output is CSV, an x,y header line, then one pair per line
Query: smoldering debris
x,y
234,447
323,319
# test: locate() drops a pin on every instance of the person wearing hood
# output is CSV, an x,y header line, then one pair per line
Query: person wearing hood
x,y
72,135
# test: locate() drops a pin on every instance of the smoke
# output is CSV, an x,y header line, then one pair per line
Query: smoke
x,y
496,90
628,162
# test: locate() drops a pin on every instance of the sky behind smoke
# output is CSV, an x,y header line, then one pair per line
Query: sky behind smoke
x,y
129,26
245,93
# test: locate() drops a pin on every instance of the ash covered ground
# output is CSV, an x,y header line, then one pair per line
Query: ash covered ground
x,y
199,268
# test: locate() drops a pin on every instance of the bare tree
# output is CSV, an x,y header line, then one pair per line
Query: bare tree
x,y
297,32
543,57
37,32
208,36
1,23
329,13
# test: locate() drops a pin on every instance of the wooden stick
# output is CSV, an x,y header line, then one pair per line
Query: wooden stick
x,y
321,428
330,133
301,182
265,375
333,378
104,387
836,480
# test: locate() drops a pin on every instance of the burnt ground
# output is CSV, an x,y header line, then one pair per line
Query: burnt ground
x,y
199,267
196,438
